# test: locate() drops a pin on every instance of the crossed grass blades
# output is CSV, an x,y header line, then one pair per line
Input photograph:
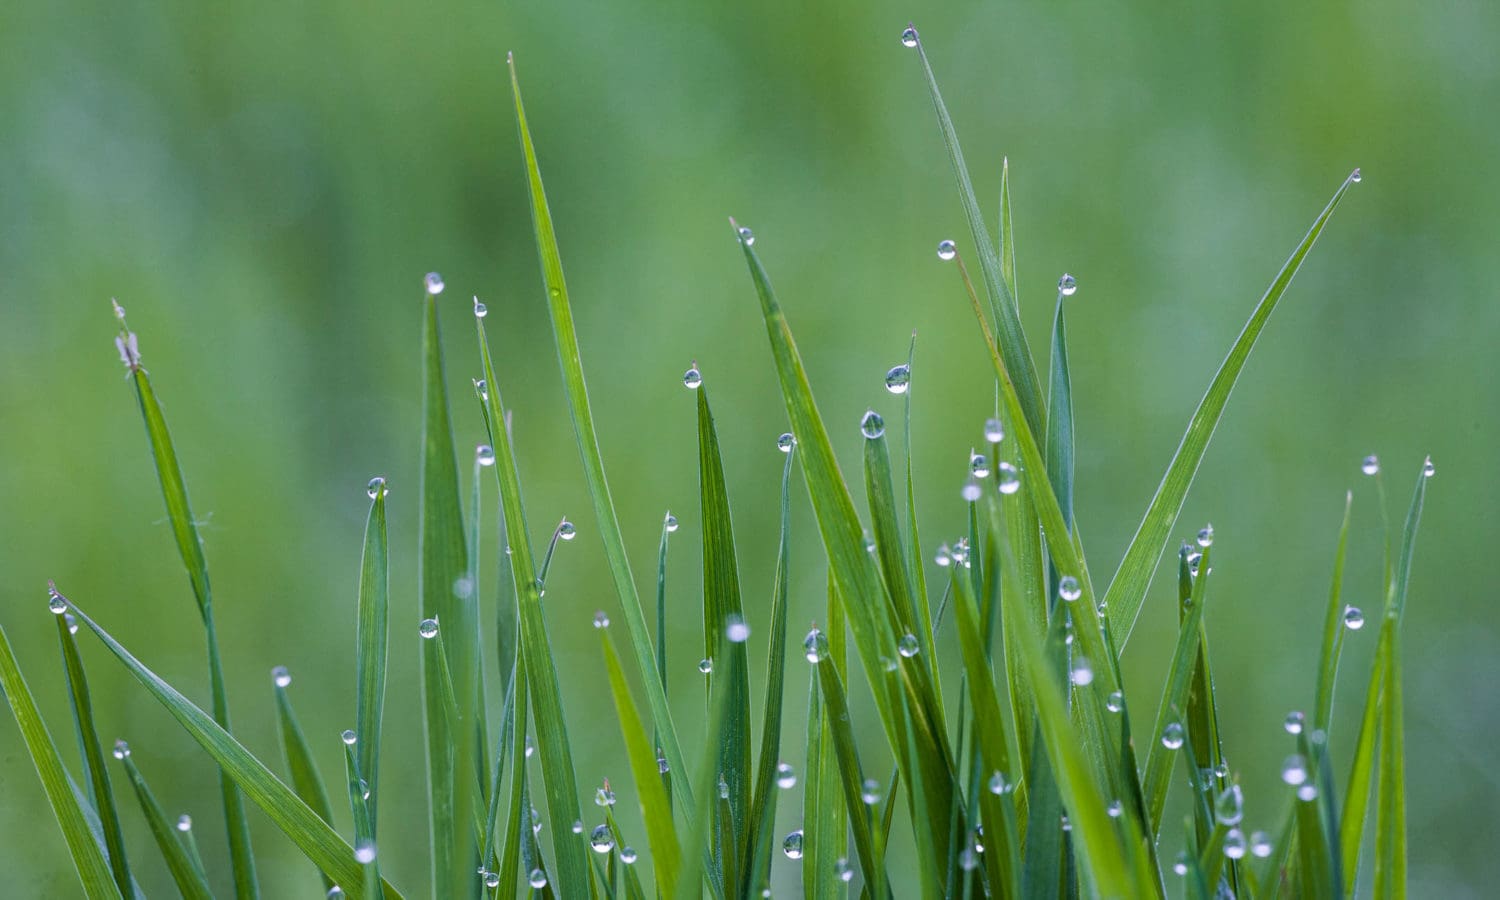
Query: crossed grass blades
x,y
1021,779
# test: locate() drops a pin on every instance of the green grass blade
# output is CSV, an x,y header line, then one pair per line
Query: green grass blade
x,y
93,759
313,836
1333,629
913,540
185,871
88,856
1007,235
1127,591
881,495
824,814
306,780
761,824
510,851
701,817
1013,343
190,547
1203,749
359,809
370,656
722,609
588,447
443,563
1060,415
656,807
851,775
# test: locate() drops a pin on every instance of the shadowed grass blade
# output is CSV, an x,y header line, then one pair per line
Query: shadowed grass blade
x,y
190,546
306,780
588,448
1127,591
296,819
1203,749
370,656
185,871
1333,630
1161,758
700,818
93,757
881,495
88,856
1060,414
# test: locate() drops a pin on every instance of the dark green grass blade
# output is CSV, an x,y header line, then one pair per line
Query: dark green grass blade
x,y
190,546
572,876
185,872
510,852
849,771
1202,725
306,780
1013,344
588,448
881,495
722,607
824,815
93,759
1127,591
656,807
88,856
296,819
492,816
857,576
1060,415
364,835
700,818
1333,629
913,541
370,656
478,731
761,827
443,557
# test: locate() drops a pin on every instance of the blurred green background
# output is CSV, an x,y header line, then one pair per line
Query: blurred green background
x,y
263,186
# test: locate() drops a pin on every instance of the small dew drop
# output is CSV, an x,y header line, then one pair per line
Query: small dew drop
x,y
1234,844
601,620
979,467
122,749
364,853
747,237
602,797
71,622
335,893
898,378
492,879
908,646
662,766
786,776
56,603
946,250
1081,673
998,783
1294,722
537,879
1428,469
364,789
706,665
567,530
737,630
670,523
349,737
792,846
1067,285
1171,736
627,856
1115,809
909,37
484,454
1229,808
1180,865
815,646
723,787
1371,465
994,432
184,822
1356,177
872,425
786,442
1354,618
1068,588
577,826
1008,479
843,870
428,628
869,792
1260,844
1307,792
943,557
970,492
1294,770
376,487
692,379
434,283
280,676
479,309
530,747
1206,536
1115,702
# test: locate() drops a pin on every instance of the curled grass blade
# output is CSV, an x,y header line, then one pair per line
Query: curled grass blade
x,y
67,805
1127,591
306,780
186,873
370,657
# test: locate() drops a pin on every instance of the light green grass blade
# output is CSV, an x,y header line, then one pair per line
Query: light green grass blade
x,y
1127,591
656,807
914,559
370,654
443,560
185,872
93,758
722,608
296,819
824,815
306,780
364,836
88,856
190,546
1013,344
856,574
1060,415
760,828
588,447
1007,235
1333,629
881,495
510,852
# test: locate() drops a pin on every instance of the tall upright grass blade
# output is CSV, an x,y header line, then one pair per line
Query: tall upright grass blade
x,y
67,806
588,447
1333,629
190,547
881,495
1060,415
824,813
313,836
186,873
370,655
850,774
913,540
696,842
1008,236
306,780
1127,591
1203,750
510,852
93,758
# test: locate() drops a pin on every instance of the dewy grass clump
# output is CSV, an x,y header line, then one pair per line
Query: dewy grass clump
x,y
1022,778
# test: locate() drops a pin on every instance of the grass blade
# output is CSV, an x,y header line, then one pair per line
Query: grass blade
x,y
510,852
1060,414
185,871
700,817
93,757
1127,591
313,836
306,780
881,495
370,657
918,572
846,755
1333,630
190,547
1007,235
88,856
824,814
588,447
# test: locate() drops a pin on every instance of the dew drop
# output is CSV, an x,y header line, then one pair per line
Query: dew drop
x,y
1068,588
1067,285
530,747
335,893
747,237
737,630
537,879
1294,722
376,487
898,379
184,822
56,603
479,309
908,646
1356,177
869,792
1260,844
364,853
1307,792
122,749
815,646
602,797
484,454
979,467
1428,469
1294,769
1229,808
601,619
428,628
1180,865
601,840
670,523
786,776
994,432
706,665
492,879
1171,736
1354,618
627,856
946,250
349,737
662,766
1115,702
998,784
71,622
909,37
1008,479
943,557
843,870
692,379
1081,673
434,283
1115,809
280,676
723,787
364,789
786,442
1206,536
1371,465
792,846
1234,844
970,492
567,530
872,425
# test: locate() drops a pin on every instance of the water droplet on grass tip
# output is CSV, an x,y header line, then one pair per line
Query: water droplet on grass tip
x,y
909,37
1260,844
122,749
1354,618
815,646
376,487
1206,536
1428,469
567,530
601,620
434,283
692,379
1229,808
1294,722
786,442
747,237
184,822
1356,177
786,776
1171,736
428,628
994,432
280,676
706,665
869,792
1294,769
627,856
1068,588
970,492
55,602
943,557
1007,478
908,646
349,737
537,879
1115,702
898,378
1067,285
792,846
364,852
334,893
872,425
484,454
1371,465
979,467
602,797
736,630
670,523
1307,792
